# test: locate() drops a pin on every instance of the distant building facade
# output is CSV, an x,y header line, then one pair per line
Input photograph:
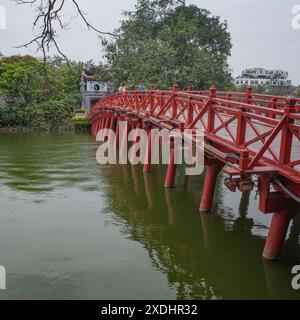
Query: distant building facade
x,y
91,89
263,77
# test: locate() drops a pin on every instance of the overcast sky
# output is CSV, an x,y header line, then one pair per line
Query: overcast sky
x,y
261,31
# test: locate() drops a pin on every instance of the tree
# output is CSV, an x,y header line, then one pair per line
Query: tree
x,y
33,100
168,42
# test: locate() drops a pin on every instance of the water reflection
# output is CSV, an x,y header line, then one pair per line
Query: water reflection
x,y
201,256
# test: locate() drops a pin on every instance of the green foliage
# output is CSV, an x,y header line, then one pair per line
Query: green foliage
x,y
80,122
168,42
37,95
296,93
12,116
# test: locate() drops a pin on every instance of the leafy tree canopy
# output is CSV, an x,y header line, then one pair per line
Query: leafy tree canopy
x,y
36,100
167,42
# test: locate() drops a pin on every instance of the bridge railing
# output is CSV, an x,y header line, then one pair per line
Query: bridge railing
x,y
261,130
246,134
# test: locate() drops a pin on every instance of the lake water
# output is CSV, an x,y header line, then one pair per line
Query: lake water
x,y
72,229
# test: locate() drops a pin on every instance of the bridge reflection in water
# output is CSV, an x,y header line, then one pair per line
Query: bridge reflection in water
x,y
246,135
203,256
52,190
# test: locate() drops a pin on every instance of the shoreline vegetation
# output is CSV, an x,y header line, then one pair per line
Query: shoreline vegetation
x,y
39,96
77,123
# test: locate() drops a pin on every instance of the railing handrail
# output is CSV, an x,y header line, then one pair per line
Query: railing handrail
x,y
216,112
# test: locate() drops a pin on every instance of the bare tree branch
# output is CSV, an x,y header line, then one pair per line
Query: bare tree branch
x,y
48,20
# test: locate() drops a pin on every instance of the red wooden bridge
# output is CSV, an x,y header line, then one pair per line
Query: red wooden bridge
x,y
250,137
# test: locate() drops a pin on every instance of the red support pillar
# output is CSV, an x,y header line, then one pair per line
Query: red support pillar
x,y
95,127
108,122
148,158
103,127
112,123
135,126
103,122
124,142
213,169
107,125
98,126
277,235
171,171
117,141
111,128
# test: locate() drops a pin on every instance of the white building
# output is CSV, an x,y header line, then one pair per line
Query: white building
x,y
263,77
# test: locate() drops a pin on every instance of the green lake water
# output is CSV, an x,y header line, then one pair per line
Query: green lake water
x,y
72,229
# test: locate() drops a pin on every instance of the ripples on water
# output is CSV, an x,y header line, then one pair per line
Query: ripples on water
x,y
72,229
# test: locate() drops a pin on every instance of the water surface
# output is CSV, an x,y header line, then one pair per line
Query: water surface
x,y
72,229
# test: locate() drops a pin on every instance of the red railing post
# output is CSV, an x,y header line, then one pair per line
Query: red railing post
x,y
190,110
241,127
152,99
136,98
211,112
249,95
242,123
229,98
174,110
274,106
125,98
287,134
